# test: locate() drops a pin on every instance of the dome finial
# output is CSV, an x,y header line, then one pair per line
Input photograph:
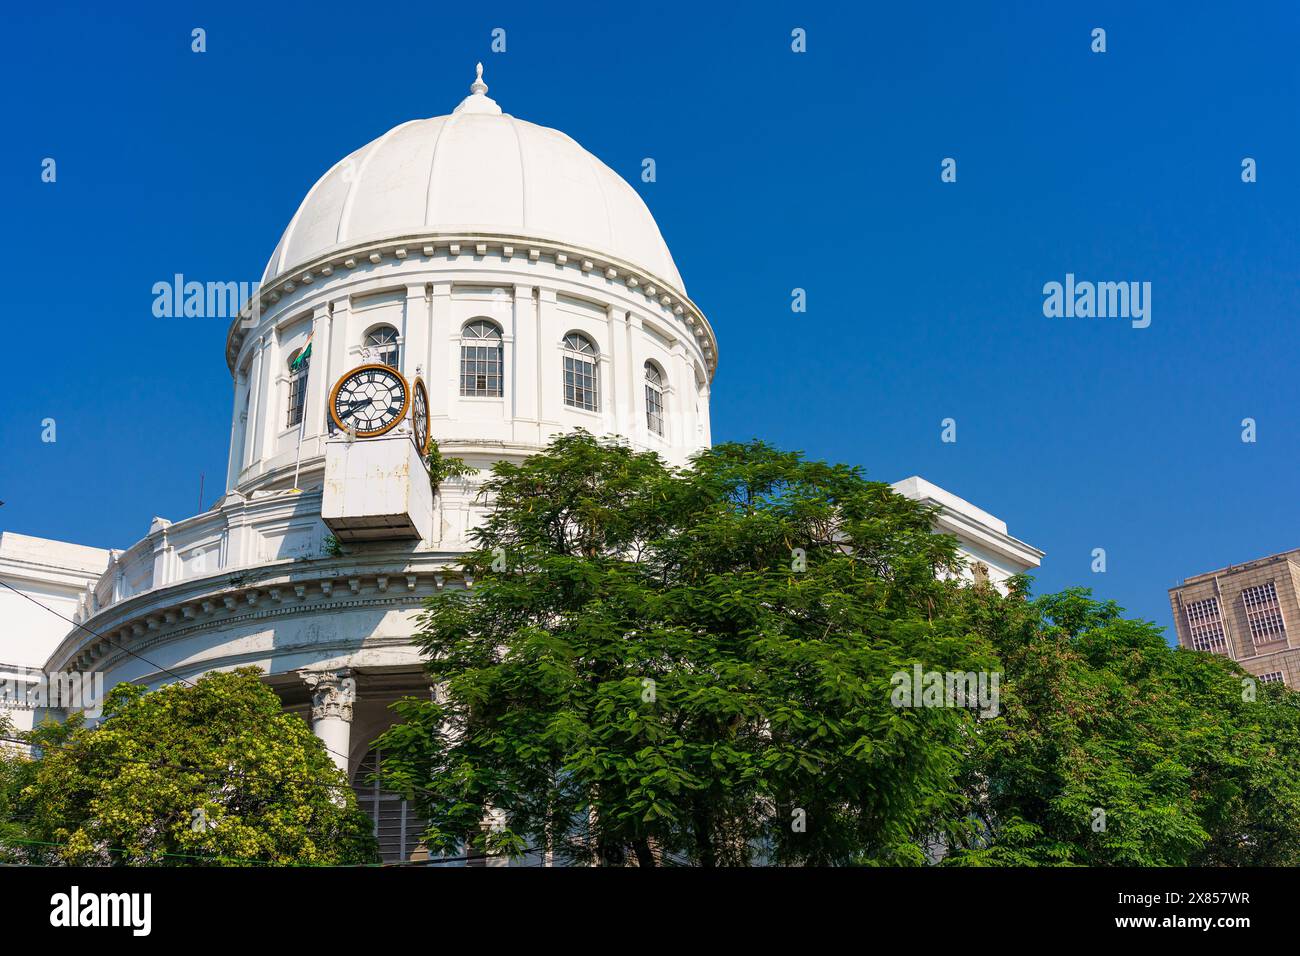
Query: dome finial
x,y
478,101
478,86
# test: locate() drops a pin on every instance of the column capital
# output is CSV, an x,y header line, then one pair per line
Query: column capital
x,y
332,694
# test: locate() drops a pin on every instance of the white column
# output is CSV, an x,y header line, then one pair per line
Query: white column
x,y
521,366
236,453
442,362
268,419
705,428
253,430
613,359
680,397
332,696
234,540
550,379
318,372
633,379
340,330
415,333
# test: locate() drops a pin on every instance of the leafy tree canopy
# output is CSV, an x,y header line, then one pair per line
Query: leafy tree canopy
x,y
689,666
1113,748
695,667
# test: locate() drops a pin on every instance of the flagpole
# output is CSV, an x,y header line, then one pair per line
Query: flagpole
x,y
297,464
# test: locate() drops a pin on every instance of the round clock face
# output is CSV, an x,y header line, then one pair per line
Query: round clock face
x,y
369,400
420,415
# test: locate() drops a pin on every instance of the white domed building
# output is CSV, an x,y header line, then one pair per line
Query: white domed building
x,y
488,266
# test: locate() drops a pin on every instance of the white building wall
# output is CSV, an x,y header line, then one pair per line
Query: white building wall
x,y
428,299
982,539
44,584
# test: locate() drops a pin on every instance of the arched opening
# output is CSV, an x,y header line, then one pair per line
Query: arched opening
x,y
581,386
382,345
654,399
298,365
482,360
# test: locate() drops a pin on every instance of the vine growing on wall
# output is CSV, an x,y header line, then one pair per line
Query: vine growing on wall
x,y
441,468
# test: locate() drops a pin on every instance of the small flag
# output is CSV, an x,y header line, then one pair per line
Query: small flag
x,y
304,355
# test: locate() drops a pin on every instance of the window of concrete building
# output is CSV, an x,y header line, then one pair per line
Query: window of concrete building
x,y
482,361
654,399
1274,678
1205,625
297,387
382,346
581,388
397,826
1263,613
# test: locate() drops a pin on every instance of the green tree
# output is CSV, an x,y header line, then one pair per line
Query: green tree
x,y
689,666
1112,748
15,768
209,773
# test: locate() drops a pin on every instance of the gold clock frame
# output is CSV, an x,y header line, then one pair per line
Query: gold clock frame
x,y
371,433
419,386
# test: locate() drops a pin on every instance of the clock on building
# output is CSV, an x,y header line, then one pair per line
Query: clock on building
x,y
369,400
420,415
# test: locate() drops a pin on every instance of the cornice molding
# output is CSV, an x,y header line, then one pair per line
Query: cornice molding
x,y
994,540
428,247
50,575
241,596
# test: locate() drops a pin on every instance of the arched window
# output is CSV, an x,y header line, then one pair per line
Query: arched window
x,y
654,399
482,362
581,388
298,363
381,346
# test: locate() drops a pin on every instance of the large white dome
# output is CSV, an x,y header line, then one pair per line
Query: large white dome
x,y
480,171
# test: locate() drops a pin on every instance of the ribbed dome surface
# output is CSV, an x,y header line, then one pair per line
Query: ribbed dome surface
x,y
482,171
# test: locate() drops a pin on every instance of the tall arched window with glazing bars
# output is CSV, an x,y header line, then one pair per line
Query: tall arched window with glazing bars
x,y
298,364
654,399
482,360
381,346
581,385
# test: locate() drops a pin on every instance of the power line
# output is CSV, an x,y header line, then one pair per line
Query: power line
x,y
163,765
205,774
186,681
165,670
95,633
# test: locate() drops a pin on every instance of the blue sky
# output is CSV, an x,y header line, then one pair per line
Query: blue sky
x,y
776,170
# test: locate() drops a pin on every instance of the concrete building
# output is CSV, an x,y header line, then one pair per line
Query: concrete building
x,y
991,554
42,586
1244,611
506,286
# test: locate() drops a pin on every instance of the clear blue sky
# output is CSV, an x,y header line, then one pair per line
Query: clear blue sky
x,y
775,171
